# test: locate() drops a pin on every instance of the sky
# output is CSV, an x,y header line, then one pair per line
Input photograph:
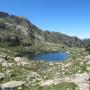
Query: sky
x,y
71,17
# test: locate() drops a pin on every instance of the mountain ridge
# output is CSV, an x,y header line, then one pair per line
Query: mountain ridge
x,y
24,29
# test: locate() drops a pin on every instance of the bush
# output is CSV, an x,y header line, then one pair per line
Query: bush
x,y
88,49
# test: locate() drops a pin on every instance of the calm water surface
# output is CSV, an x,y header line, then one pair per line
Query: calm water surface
x,y
60,56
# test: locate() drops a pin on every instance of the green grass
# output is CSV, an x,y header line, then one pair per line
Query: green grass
x,y
62,86
18,74
7,31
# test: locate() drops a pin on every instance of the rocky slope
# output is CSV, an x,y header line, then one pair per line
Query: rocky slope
x,y
17,27
25,74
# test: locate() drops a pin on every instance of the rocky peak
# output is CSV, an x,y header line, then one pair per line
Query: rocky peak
x,y
3,14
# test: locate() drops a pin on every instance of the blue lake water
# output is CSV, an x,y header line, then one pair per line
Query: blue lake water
x,y
60,56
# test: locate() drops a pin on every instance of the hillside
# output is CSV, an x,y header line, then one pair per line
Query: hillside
x,y
17,27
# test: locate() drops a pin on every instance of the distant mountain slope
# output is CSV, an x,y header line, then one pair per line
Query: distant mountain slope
x,y
20,28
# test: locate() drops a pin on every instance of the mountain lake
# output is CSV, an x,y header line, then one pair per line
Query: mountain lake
x,y
53,56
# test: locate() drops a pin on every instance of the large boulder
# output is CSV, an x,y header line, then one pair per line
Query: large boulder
x,y
22,61
18,59
12,84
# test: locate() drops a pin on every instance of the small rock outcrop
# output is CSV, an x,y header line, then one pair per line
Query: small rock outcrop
x,y
2,76
12,84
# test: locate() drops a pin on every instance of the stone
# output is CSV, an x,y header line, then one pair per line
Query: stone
x,y
18,59
20,88
81,77
88,62
50,82
12,84
47,83
2,75
68,64
22,61
33,77
87,57
7,65
1,60
82,80
88,68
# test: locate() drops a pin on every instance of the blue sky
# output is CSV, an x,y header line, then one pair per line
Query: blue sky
x,y
71,17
